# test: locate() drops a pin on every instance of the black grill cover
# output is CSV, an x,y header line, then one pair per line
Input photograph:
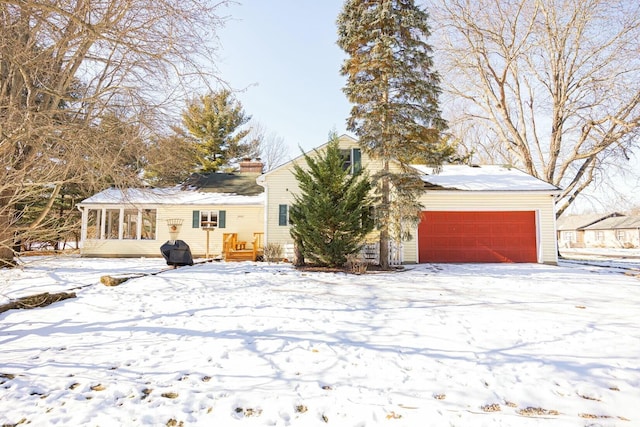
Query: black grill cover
x,y
176,253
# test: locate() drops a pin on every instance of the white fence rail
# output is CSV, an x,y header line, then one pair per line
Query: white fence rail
x,y
370,252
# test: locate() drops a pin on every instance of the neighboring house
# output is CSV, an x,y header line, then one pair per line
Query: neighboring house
x,y
571,228
471,214
614,232
208,208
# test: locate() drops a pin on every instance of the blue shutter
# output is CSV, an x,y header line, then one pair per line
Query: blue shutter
x,y
282,214
357,160
196,219
222,219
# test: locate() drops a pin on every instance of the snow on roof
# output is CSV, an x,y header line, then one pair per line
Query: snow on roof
x,y
617,223
579,222
482,178
169,196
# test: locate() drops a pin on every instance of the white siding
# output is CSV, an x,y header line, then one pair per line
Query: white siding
x,y
281,185
617,238
242,219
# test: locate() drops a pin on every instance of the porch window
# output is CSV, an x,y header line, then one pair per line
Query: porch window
x,y
568,236
94,217
112,224
620,235
130,224
148,224
600,236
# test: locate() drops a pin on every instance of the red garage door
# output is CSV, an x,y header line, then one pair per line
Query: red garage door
x,y
477,237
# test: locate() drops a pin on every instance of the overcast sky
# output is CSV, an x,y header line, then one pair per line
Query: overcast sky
x,y
283,53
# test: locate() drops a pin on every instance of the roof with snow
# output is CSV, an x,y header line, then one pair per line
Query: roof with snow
x,y
481,178
170,196
579,222
617,223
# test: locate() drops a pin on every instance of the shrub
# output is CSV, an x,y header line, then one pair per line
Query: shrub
x,y
272,252
356,264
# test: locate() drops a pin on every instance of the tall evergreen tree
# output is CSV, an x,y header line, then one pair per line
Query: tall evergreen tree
x,y
394,89
331,215
215,122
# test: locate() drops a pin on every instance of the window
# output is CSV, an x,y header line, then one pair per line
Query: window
x,y
204,219
568,236
352,160
600,236
208,219
94,222
148,224
130,224
283,215
620,235
119,223
112,224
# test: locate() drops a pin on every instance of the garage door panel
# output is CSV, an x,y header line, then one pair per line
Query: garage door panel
x,y
477,237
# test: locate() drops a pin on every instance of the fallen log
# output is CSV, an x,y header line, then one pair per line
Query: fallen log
x,y
38,300
123,277
115,281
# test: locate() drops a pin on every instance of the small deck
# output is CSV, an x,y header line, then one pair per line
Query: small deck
x,y
241,250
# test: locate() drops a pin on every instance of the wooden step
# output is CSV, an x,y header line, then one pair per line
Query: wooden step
x,y
240,255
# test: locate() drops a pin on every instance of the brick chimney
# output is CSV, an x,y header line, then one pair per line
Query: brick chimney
x,y
248,166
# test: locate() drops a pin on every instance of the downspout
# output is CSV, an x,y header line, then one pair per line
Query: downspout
x,y
261,182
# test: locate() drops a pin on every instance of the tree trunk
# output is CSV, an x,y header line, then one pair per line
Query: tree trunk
x,y
298,256
6,232
384,223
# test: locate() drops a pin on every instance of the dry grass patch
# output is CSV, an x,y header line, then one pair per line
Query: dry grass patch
x,y
533,411
248,412
170,395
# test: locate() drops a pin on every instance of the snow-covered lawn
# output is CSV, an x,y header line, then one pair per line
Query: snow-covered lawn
x,y
222,344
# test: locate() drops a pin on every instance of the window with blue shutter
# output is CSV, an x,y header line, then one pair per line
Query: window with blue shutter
x,y
357,160
282,215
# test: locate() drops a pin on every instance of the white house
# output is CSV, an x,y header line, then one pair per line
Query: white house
x,y
471,214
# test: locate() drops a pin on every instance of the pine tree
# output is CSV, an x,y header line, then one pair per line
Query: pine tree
x,y
394,89
331,215
215,121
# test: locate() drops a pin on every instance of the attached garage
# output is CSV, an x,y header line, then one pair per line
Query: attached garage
x,y
453,236
485,214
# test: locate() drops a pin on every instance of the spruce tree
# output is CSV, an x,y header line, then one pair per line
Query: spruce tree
x,y
331,215
215,122
394,89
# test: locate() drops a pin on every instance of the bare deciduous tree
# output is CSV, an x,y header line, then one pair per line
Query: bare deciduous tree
x,y
271,148
82,85
554,84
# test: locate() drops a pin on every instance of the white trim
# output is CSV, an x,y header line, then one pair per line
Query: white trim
x,y
539,254
265,216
